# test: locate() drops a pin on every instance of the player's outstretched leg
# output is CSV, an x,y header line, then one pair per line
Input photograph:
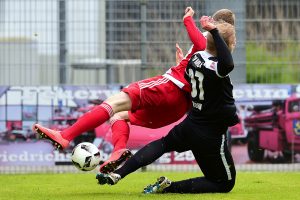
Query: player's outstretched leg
x,y
115,160
159,186
110,179
54,136
89,121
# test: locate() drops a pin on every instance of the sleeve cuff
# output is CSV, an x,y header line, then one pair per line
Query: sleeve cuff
x,y
214,31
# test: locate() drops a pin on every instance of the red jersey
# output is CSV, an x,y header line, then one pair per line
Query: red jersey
x,y
176,73
161,100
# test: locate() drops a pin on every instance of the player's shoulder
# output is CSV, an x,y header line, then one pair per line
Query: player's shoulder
x,y
204,55
203,58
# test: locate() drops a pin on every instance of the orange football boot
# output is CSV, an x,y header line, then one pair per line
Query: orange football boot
x,y
115,160
54,136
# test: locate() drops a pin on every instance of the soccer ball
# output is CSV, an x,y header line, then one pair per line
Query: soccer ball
x,y
86,156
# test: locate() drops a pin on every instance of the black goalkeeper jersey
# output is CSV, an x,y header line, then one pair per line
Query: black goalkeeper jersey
x,y
212,99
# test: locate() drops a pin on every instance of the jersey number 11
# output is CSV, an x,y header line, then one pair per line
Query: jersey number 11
x,y
197,85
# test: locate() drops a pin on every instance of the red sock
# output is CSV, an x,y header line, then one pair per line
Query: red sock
x,y
120,133
88,121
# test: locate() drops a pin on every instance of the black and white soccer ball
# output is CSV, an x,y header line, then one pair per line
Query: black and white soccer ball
x,y
86,156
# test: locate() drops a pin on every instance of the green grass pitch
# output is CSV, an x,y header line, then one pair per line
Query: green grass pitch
x,y
249,185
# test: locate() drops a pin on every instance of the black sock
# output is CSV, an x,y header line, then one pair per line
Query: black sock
x,y
145,156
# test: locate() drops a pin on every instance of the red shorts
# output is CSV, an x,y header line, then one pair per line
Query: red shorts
x,y
156,102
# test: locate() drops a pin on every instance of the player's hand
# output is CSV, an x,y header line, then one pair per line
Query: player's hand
x,y
179,54
188,12
207,23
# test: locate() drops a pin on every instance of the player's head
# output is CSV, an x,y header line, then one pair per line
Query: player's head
x,y
227,32
225,15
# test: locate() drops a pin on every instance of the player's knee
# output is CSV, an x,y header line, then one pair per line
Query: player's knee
x,y
120,116
119,102
227,186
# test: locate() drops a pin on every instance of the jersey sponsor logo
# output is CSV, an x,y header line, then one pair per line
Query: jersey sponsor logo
x,y
198,63
197,105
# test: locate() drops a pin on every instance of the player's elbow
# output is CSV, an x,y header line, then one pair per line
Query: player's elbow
x,y
224,71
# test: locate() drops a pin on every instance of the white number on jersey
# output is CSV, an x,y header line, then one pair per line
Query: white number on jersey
x,y
197,80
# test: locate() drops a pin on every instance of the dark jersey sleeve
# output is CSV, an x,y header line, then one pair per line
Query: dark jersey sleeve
x,y
225,60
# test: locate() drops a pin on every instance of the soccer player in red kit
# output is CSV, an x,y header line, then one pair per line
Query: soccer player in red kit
x,y
163,91
145,100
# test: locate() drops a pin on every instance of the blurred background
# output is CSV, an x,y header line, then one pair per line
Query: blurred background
x,y
57,56
47,42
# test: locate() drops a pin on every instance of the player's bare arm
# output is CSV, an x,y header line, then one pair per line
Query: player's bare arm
x,y
179,54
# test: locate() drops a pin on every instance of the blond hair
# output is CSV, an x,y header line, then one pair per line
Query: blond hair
x,y
227,32
225,15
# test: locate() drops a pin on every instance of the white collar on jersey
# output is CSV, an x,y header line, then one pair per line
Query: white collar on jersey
x,y
210,64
